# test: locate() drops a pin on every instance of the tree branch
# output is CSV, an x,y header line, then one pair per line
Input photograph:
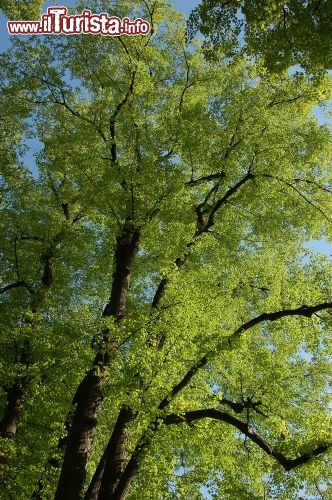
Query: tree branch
x,y
115,114
17,284
322,188
299,193
187,84
306,311
284,101
239,407
224,199
206,178
247,430
184,382
82,117
202,227
111,464
89,394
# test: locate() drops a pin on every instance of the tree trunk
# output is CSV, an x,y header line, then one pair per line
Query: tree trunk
x,y
111,465
122,489
14,409
89,394
16,393
81,435
126,249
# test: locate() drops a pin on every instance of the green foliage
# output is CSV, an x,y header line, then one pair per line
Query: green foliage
x,y
226,176
284,34
22,9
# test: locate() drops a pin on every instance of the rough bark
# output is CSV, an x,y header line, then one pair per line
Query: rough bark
x,y
111,464
89,395
94,486
122,489
81,435
126,249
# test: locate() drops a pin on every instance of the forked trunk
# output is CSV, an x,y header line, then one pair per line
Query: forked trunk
x,y
111,465
89,395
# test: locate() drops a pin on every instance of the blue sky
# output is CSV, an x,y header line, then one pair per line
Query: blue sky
x,y
184,6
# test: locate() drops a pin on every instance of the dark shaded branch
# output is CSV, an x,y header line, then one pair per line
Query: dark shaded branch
x,y
319,491
202,227
77,218
17,392
206,178
183,383
17,284
132,467
81,435
46,260
304,310
119,38
64,205
231,191
94,486
65,209
160,292
151,14
240,406
284,101
115,114
17,267
164,282
308,181
233,143
89,394
247,430
187,84
77,114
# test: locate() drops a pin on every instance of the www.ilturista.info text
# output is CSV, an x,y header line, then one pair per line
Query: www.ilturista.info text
x,y
57,22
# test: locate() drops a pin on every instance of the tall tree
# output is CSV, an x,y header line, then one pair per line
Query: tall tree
x,y
283,33
164,327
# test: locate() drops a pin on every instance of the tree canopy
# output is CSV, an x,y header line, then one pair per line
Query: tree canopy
x,y
165,329
22,9
284,34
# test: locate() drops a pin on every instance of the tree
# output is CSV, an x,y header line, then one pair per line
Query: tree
x,y
164,327
22,9
283,33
